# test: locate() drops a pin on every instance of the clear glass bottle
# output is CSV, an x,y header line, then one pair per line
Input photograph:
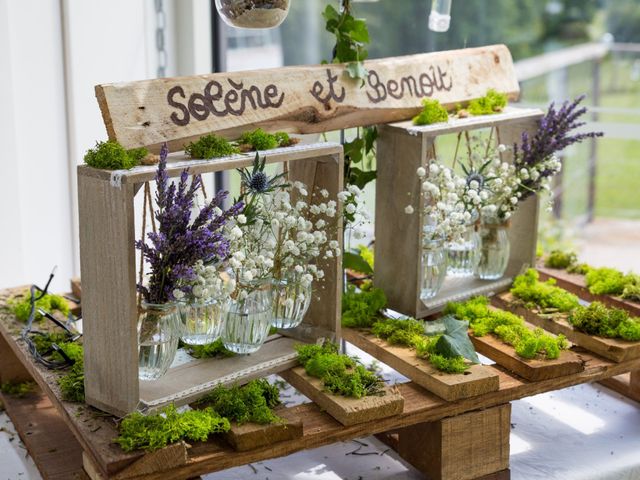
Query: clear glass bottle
x,y
248,319
202,321
464,254
253,13
291,300
159,329
434,268
494,249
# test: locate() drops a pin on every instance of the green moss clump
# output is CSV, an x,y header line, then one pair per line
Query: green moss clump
x,y
579,268
340,374
17,389
43,342
110,155
211,146
260,140
509,328
362,309
598,319
492,102
20,305
250,403
632,289
210,350
432,112
560,260
71,383
152,432
606,281
544,295
411,333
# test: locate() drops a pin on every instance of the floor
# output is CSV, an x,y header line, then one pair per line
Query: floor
x,y
584,433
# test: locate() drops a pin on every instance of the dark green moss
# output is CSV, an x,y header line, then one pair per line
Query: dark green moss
x,y
211,146
598,319
110,155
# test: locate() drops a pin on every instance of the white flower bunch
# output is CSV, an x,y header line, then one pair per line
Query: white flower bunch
x,y
208,283
445,212
355,214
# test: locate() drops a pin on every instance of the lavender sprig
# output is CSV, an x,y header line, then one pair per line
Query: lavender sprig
x,y
179,243
554,134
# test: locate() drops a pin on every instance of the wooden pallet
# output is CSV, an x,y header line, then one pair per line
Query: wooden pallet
x,y
476,381
575,284
611,348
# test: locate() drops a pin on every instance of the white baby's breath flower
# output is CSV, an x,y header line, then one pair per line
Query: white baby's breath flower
x,y
242,219
324,192
408,209
421,172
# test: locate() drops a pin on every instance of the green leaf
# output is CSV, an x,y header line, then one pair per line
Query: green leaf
x,y
355,262
370,136
360,178
358,31
455,341
357,70
330,13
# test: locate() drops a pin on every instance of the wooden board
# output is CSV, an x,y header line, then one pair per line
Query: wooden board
x,y
627,384
475,381
611,348
534,369
250,436
50,443
304,99
576,284
346,410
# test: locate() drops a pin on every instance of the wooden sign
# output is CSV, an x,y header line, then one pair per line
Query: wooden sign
x,y
305,99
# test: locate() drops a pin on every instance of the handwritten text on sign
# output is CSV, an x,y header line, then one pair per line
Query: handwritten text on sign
x,y
236,98
304,99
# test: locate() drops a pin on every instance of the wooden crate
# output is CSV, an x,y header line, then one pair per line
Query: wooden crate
x,y
401,149
108,268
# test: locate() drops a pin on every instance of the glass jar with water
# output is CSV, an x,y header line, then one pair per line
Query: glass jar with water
x,y
159,329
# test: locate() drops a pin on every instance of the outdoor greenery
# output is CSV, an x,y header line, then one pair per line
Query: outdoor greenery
x,y
340,374
20,305
508,327
152,432
598,319
110,155
544,295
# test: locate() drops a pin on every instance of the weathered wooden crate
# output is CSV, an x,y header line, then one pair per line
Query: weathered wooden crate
x,y
401,149
108,268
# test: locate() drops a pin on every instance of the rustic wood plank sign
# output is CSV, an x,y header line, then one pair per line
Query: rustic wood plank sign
x,y
610,348
477,380
298,99
346,410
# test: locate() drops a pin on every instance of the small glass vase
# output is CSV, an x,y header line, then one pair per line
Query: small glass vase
x,y
253,13
433,268
291,300
494,249
159,329
463,255
248,319
202,321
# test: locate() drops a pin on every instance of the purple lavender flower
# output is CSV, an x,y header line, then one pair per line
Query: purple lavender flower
x,y
179,243
553,135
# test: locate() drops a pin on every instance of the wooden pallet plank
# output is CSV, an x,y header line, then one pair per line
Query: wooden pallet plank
x,y
611,348
576,284
250,436
52,446
627,384
348,411
475,381
532,369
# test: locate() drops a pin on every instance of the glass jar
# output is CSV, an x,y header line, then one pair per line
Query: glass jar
x,y
494,249
463,255
159,329
253,13
433,268
291,300
248,319
202,321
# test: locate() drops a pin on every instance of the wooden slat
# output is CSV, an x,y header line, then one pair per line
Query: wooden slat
x,y
576,284
475,381
533,369
627,384
250,436
348,411
611,348
304,99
